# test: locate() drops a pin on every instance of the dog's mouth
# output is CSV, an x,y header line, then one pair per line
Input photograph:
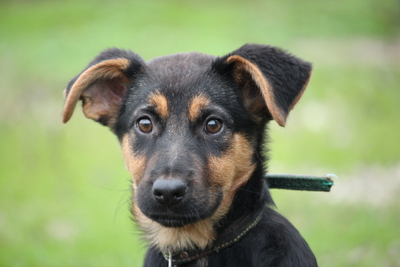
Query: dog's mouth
x,y
175,221
189,210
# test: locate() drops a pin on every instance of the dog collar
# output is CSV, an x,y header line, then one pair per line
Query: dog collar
x,y
225,239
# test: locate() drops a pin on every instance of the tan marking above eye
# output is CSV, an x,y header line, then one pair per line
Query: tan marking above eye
x,y
196,105
160,104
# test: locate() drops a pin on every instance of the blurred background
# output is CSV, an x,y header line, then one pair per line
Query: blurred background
x,y
64,190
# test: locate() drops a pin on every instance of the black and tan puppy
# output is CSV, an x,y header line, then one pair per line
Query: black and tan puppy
x,y
192,131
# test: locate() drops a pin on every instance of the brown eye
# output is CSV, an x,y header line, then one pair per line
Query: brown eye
x,y
213,126
145,125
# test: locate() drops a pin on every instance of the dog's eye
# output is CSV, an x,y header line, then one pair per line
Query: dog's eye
x,y
213,126
145,125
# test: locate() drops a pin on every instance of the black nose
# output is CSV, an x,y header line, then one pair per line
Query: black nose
x,y
169,192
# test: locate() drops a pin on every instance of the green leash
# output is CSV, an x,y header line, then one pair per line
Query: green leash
x,y
300,182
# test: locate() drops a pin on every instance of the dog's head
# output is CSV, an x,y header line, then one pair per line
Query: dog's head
x,y
190,127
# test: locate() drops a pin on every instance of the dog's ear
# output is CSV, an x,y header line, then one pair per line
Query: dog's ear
x,y
102,85
271,80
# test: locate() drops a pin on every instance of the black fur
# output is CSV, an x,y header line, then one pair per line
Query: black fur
x,y
285,72
273,241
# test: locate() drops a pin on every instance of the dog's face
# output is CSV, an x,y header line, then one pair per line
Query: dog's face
x,y
187,143
189,126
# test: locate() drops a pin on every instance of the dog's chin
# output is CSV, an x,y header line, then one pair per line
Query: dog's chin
x,y
173,221
178,216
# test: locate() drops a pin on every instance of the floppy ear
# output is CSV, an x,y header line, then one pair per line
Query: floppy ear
x,y
270,79
102,85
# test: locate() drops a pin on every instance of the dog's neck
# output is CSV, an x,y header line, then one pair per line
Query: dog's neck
x,y
226,237
250,198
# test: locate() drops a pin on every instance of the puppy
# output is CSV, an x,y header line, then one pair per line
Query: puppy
x,y
192,128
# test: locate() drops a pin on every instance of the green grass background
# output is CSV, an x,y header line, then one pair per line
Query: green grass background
x,y
64,191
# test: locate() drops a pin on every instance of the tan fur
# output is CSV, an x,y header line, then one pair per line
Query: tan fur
x,y
233,169
106,70
196,105
229,173
160,104
262,83
135,164
199,234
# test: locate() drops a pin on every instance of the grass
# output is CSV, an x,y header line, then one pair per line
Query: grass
x,y
64,191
